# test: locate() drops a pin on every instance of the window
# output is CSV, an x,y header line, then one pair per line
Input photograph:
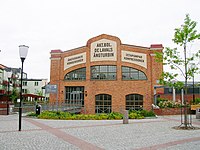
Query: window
x,y
129,73
36,83
134,102
24,83
78,74
103,103
74,96
24,91
103,73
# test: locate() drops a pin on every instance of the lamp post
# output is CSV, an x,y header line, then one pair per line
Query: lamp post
x,y
23,50
9,74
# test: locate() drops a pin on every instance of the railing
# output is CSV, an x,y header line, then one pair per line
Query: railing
x,y
31,107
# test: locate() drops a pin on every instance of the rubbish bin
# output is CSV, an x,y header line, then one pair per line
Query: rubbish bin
x,y
198,113
38,109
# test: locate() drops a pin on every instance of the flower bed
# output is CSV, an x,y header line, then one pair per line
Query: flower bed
x,y
113,115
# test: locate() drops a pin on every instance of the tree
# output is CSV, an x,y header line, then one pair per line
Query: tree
x,y
183,36
15,92
14,95
39,93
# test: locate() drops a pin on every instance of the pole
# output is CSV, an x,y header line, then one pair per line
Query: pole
x,y
193,89
185,98
20,104
174,94
57,97
8,96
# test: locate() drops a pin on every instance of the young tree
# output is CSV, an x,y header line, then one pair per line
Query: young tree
x,y
183,36
39,93
14,95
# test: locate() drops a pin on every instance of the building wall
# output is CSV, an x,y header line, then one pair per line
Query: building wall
x,y
14,80
33,88
178,97
118,88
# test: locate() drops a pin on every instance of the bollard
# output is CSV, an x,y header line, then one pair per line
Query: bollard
x,y
125,117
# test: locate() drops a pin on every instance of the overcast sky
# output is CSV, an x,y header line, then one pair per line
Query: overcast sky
x,y
44,25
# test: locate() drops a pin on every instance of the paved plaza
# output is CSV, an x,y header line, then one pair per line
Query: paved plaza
x,y
144,134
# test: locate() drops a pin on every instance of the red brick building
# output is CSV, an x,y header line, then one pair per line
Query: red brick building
x,y
106,75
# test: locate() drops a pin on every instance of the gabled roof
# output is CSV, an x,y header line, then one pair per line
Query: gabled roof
x,y
2,66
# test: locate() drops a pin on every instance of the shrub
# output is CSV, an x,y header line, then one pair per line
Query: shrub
x,y
140,114
196,101
115,115
146,113
161,100
54,115
133,114
103,116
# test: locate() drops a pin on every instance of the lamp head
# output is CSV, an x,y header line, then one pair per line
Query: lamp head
x,y
23,50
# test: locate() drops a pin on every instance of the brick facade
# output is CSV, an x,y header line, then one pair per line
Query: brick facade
x,y
118,88
170,111
178,97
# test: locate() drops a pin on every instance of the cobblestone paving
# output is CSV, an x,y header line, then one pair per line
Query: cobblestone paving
x,y
39,134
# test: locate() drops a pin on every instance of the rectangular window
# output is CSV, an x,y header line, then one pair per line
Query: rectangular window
x,y
103,73
24,83
74,96
24,91
36,83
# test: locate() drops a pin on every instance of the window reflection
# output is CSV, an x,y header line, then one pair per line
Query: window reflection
x,y
129,73
103,73
78,74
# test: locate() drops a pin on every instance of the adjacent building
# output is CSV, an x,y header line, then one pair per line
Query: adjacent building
x,y
9,79
32,89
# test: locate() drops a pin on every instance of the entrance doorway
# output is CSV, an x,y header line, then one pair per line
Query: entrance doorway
x,y
74,96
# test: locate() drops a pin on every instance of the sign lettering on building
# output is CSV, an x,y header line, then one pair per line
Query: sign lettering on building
x,y
73,60
103,50
135,58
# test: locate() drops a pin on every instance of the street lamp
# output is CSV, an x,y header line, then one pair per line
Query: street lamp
x,y
23,50
9,74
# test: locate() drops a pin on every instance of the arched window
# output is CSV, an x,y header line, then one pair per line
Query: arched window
x,y
103,103
103,72
129,73
78,74
134,102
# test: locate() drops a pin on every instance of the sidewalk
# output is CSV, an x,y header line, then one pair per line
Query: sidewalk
x,y
38,134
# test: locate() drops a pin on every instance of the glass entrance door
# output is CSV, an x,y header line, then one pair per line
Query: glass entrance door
x,y
74,96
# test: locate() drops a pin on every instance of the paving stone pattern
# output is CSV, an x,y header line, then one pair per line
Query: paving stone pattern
x,y
144,134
